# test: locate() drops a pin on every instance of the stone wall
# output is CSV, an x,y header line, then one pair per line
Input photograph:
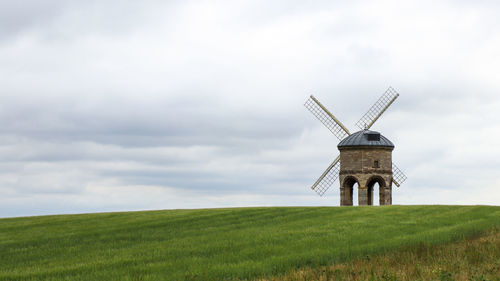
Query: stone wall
x,y
357,164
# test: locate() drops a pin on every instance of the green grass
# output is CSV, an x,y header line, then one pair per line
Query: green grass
x,y
221,244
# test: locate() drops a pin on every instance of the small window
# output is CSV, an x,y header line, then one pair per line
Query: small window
x,y
373,136
375,164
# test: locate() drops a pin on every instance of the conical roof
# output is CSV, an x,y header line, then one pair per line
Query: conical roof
x,y
365,138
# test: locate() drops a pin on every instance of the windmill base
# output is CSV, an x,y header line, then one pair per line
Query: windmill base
x,y
363,168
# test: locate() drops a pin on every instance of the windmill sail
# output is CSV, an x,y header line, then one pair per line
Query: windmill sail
x,y
328,177
397,175
377,109
323,115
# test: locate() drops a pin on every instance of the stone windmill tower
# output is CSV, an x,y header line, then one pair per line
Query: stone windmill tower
x,y
365,156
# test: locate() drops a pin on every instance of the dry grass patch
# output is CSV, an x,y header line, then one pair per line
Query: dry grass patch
x,y
477,258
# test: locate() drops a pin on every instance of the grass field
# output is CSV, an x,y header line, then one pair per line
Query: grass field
x,y
222,244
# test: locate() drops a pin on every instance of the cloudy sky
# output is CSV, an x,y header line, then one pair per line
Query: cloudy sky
x,y
135,105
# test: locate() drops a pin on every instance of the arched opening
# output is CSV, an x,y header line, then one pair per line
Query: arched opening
x,y
374,194
376,187
350,191
355,198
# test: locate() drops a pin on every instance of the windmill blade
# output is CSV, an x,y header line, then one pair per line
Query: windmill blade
x,y
397,175
323,115
377,109
328,177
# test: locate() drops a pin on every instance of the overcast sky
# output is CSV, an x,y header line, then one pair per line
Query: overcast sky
x,y
135,105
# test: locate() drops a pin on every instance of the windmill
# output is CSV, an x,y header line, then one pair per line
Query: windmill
x,y
365,156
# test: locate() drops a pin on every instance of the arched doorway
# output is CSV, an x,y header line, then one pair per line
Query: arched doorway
x,y
350,192
373,195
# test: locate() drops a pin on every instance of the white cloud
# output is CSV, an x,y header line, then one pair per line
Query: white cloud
x,y
125,106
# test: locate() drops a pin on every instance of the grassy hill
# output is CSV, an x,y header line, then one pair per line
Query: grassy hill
x,y
218,244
